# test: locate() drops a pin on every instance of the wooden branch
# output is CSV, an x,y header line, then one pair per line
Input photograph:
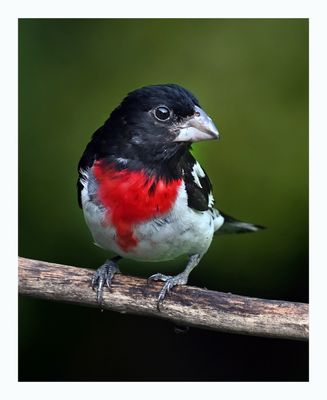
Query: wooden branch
x,y
185,305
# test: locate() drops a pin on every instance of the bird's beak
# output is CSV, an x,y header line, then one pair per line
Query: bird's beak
x,y
198,127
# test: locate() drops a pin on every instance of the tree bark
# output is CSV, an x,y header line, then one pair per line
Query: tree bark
x,y
185,305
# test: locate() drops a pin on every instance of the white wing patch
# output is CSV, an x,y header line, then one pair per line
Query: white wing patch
x,y
211,200
84,178
197,172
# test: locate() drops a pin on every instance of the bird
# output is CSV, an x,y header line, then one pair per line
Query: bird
x,y
143,194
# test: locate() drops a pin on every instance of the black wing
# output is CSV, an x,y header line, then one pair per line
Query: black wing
x,y
197,184
199,192
89,156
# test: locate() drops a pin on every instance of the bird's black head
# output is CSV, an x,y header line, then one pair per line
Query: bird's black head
x,y
149,101
154,125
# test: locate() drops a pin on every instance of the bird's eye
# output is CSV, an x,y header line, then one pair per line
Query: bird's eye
x,y
162,113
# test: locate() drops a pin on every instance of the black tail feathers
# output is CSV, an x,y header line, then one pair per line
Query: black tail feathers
x,y
232,225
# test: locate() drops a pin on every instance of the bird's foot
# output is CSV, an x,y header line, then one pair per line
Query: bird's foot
x,y
102,276
170,282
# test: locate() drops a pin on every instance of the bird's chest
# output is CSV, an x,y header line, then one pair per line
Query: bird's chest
x,y
141,218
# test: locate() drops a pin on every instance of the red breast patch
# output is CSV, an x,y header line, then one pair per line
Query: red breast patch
x,y
130,198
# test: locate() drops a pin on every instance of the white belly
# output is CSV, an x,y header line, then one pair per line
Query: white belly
x,y
181,231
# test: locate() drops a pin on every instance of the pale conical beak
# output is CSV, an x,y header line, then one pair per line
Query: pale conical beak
x,y
198,127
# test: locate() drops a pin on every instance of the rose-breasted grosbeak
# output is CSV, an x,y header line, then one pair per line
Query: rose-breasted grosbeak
x,y
143,194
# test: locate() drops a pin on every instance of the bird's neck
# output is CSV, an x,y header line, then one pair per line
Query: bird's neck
x,y
161,160
151,164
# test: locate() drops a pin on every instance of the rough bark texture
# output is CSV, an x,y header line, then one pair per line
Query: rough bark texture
x,y
185,305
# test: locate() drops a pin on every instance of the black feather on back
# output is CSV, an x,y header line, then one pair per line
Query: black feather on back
x,y
198,197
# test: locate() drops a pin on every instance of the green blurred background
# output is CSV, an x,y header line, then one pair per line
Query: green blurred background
x,y
251,76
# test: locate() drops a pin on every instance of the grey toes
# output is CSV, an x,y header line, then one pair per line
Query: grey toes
x,y
170,282
159,277
102,276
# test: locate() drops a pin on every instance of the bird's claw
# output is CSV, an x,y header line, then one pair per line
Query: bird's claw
x,y
103,275
170,282
165,290
159,277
